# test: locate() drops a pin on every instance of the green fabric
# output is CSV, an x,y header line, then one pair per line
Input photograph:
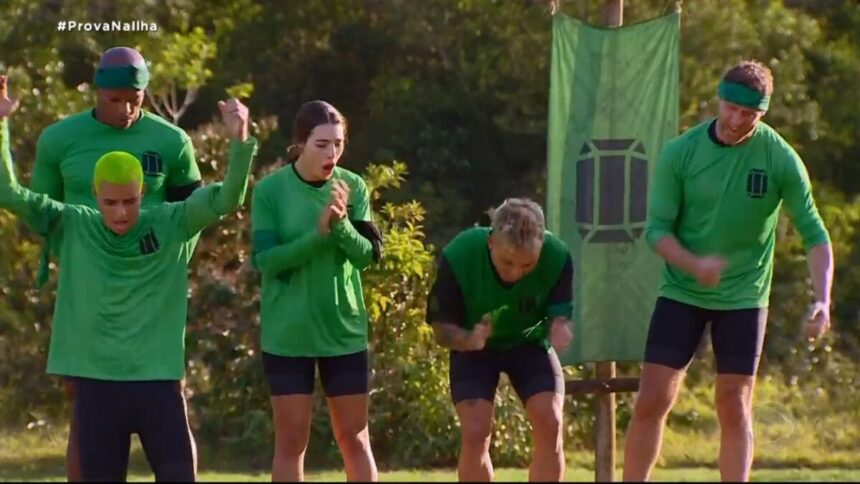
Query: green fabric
x,y
742,95
311,301
117,168
67,151
613,104
40,213
5,143
519,313
725,200
122,301
122,77
207,205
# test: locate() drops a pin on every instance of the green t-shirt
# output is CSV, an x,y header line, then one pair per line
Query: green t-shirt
x,y
311,301
122,301
67,151
724,201
519,312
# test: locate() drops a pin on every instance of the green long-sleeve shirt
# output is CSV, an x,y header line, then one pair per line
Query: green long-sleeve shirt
x,y
122,301
311,301
724,201
67,150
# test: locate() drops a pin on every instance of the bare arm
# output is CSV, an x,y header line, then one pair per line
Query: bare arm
x,y
820,261
446,313
456,338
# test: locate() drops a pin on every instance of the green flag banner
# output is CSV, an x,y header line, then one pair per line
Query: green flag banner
x,y
613,104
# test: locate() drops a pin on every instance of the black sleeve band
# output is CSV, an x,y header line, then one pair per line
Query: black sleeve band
x,y
371,233
180,193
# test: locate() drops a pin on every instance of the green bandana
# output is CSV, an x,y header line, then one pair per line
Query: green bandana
x,y
122,77
743,96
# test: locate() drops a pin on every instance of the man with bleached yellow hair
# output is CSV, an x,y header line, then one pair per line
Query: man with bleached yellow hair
x,y
119,320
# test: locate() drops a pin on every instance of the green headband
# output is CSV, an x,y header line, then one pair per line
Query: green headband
x,y
743,96
122,77
119,168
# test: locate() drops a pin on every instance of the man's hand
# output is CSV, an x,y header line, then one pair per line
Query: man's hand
x,y
7,105
459,339
235,116
708,270
817,320
560,335
479,335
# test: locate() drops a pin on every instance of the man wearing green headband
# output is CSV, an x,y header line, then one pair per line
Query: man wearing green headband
x,y
119,319
67,150
713,209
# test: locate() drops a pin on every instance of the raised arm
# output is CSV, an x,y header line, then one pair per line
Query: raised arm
x,y
207,205
46,177
38,211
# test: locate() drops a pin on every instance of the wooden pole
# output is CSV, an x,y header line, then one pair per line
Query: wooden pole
x,y
604,455
604,452
613,13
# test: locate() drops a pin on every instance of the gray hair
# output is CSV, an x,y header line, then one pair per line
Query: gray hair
x,y
520,222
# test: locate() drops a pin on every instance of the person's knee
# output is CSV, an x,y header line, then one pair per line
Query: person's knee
x,y
546,423
353,437
653,403
733,408
291,440
476,434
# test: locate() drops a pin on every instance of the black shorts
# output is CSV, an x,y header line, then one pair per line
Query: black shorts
x,y
530,368
340,375
676,330
108,412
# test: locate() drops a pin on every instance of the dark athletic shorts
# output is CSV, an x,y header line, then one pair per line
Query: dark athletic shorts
x,y
530,368
340,375
676,330
108,412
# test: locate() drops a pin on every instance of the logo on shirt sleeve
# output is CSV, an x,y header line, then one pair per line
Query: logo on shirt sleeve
x,y
756,183
149,243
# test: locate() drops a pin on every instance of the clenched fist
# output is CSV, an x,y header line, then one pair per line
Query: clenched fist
x,y
235,116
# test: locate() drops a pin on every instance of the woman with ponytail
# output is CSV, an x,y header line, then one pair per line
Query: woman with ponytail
x,y
312,235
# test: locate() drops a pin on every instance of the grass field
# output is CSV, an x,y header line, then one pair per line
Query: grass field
x,y
519,475
38,456
800,436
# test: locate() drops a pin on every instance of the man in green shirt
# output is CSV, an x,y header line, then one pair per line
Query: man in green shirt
x,y
67,150
502,302
121,309
713,210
